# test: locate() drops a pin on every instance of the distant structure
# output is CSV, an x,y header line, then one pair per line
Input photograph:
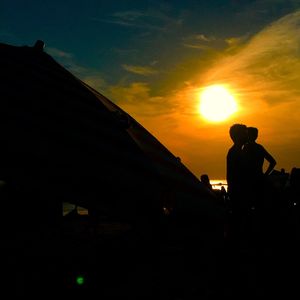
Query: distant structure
x,y
39,45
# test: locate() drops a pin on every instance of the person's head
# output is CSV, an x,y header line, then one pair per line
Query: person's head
x,y
238,133
252,134
204,178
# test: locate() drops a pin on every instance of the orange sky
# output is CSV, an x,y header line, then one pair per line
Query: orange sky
x,y
263,73
153,58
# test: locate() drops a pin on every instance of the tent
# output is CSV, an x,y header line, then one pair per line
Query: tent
x,y
64,141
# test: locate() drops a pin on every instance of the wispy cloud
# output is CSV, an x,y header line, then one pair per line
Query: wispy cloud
x,y
136,98
267,66
129,15
95,81
68,60
59,53
140,70
153,20
234,43
203,42
203,37
119,22
197,46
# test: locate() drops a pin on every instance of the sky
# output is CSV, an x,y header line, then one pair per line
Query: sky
x,y
154,58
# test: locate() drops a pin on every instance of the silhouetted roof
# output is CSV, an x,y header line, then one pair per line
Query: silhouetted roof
x,y
65,136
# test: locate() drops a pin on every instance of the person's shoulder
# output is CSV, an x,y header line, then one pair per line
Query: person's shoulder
x,y
261,147
258,146
231,150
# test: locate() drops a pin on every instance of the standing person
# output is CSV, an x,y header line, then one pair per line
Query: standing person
x,y
259,193
236,179
256,155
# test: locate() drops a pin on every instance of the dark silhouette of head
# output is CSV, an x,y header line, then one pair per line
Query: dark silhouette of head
x,y
205,180
252,134
238,133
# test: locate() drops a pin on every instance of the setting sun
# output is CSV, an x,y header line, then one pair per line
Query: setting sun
x,y
217,103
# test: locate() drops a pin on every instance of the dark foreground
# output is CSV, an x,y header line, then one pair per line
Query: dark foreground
x,y
114,264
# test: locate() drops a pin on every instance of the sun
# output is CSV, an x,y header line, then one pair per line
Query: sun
x,y
217,103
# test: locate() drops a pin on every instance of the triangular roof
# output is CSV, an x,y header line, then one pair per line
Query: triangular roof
x,y
62,131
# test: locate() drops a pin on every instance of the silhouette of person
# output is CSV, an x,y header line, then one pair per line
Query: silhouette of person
x,y
259,193
224,194
256,154
235,171
236,178
205,180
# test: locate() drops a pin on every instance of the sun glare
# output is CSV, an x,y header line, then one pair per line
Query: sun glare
x,y
217,103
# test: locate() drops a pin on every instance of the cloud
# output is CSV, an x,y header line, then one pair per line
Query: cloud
x,y
235,43
116,22
195,46
90,76
267,66
68,60
203,42
130,15
59,53
95,81
151,20
136,99
175,114
202,37
145,71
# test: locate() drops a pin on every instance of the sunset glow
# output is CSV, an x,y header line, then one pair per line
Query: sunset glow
x,y
217,103
185,70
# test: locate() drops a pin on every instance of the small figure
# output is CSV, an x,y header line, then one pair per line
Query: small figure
x,y
205,180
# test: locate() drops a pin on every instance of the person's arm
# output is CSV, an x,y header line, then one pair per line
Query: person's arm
x,y
272,162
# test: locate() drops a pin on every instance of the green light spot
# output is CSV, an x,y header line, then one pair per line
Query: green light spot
x,y
80,280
